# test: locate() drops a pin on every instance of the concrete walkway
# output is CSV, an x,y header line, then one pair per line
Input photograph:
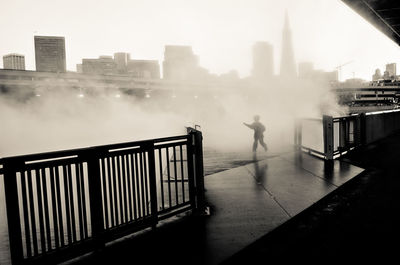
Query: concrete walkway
x,y
246,203
249,201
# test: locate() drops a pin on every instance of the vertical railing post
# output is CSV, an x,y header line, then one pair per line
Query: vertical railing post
x,y
328,136
297,134
362,130
191,171
95,197
357,131
199,169
152,181
13,217
342,134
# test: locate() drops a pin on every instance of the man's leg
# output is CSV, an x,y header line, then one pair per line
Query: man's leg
x,y
255,144
263,144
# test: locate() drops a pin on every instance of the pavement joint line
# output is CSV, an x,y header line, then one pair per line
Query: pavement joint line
x,y
269,193
287,160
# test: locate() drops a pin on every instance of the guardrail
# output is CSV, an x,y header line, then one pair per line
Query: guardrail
x,y
64,204
308,136
342,134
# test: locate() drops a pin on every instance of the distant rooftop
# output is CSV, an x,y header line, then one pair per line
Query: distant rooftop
x,y
49,37
13,54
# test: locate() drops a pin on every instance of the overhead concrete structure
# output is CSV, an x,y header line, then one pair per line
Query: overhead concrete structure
x,y
384,15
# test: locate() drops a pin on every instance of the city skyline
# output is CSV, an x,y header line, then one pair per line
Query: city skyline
x,y
180,59
262,60
222,42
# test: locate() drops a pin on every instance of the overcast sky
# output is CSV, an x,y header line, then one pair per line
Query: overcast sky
x,y
221,32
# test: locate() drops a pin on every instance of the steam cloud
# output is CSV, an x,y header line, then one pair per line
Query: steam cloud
x,y
59,119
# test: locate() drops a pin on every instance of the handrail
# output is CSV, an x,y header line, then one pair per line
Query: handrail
x,y
67,152
345,117
382,112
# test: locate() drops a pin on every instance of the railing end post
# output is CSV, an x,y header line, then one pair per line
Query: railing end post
x,y
328,136
197,143
12,208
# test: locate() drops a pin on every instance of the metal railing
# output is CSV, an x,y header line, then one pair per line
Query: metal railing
x,y
342,134
308,136
379,125
346,134
64,204
339,135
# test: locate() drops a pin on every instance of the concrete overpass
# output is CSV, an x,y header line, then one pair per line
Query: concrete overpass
x,y
31,83
384,15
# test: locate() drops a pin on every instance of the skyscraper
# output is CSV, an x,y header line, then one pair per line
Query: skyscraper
x,y
14,61
180,63
50,54
288,66
262,61
391,69
121,59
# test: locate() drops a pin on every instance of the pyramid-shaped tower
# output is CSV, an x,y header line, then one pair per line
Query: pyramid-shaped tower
x,y
288,65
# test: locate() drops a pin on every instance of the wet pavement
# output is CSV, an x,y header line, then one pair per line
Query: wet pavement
x,y
250,201
246,203
357,223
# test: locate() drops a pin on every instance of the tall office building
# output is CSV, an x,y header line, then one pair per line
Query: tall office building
x,y
288,66
79,68
179,63
14,61
377,75
306,69
50,54
121,59
307,72
262,61
102,65
144,68
391,69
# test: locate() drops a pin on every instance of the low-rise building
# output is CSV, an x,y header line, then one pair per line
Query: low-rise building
x,y
14,61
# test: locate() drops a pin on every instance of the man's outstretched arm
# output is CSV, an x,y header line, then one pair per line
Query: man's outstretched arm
x,y
248,125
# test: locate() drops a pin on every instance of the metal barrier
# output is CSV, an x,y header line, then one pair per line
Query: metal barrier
x,y
379,125
64,204
342,134
303,136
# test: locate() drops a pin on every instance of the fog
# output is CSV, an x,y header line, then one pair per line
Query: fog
x,y
63,118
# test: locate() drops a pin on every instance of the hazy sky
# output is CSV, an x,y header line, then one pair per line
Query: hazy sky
x,y
221,32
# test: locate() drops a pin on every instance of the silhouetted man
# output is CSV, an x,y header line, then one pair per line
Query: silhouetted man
x,y
259,129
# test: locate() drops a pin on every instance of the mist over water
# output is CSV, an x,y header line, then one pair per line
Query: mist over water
x,y
61,119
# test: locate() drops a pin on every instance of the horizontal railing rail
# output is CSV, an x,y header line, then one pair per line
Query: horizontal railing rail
x,y
63,204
